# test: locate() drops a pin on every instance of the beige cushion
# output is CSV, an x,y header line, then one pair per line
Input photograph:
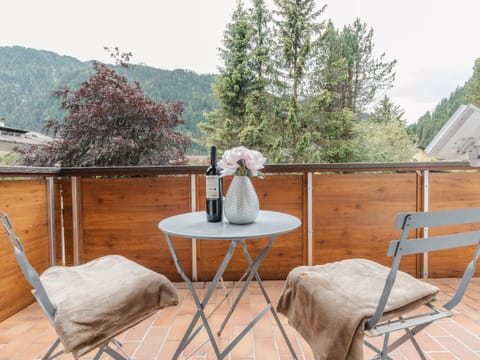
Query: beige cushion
x,y
102,298
329,304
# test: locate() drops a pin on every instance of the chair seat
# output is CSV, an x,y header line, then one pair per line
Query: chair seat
x,y
100,299
329,304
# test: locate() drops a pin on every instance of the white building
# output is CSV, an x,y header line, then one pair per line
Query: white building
x,y
11,137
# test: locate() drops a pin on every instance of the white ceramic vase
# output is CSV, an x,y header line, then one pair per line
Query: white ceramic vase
x,y
241,202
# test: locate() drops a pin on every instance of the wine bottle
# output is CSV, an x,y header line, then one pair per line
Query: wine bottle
x,y
214,193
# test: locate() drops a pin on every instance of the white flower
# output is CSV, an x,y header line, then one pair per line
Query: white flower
x,y
241,161
254,161
229,163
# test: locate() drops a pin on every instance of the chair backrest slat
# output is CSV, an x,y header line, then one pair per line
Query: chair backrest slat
x,y
438,218
444,242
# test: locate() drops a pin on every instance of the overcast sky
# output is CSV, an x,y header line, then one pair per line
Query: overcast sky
x,y
435,42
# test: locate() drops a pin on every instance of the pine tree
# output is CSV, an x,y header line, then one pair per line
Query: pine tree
x,y
348,69
258,104
386,111
329,72
297,32
472,86
231,88
368,73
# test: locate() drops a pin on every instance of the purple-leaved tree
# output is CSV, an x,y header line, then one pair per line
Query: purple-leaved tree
x,y
110,122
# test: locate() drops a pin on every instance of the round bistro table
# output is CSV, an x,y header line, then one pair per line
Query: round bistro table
x,y
194,225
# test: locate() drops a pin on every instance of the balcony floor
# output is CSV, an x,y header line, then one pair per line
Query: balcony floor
x,y
27,335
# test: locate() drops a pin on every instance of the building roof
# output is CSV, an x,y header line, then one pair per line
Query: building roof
x,y
13,137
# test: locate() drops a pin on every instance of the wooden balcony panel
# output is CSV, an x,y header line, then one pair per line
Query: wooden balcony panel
x,y
354,214
25,201
452,191
121,216
276,193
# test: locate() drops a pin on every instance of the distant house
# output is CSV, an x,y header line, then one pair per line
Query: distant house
x,y
11,137
459,138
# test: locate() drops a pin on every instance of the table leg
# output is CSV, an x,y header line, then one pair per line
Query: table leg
x,y
189,336
251,270
267,299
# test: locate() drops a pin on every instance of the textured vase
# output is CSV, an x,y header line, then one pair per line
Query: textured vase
x,y
241,202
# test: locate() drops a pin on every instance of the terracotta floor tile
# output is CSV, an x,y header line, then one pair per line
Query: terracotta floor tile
x,y
244,349
265,348
166,316
138,331
152,343
459,349
472,341
168,350
28,334
441,356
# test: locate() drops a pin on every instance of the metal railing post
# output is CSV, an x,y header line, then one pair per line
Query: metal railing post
x,y
193,190
426,198
75,221
309,218
52,244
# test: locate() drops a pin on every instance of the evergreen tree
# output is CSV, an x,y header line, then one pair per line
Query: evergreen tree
x,y
386,141
231,88
386,111
330,71
335,143
348,69
297,32
367,74
430,123
259,103
472,86
346,78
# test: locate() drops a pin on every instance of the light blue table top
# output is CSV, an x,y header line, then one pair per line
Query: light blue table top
x,y
195,225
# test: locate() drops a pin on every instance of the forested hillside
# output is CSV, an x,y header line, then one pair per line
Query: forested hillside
x,y
28,77
430,123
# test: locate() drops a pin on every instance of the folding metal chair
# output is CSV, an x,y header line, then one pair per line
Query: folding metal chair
x,y
166,295
413,324
337,306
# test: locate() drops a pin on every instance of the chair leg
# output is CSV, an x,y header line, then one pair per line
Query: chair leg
x,y
48,355
101,350
384,353
119,345
104,348
410,333
381,354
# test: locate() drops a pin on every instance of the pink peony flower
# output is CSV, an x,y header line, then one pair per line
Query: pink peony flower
x,y
241,161
254,161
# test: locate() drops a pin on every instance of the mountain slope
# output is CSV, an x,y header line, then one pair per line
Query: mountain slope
x,y
28,78
429,124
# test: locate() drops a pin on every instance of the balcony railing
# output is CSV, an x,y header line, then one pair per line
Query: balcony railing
x,y
72,215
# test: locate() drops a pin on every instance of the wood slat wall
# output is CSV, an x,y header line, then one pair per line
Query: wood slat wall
x,y
354,214
121,216
452,191
286,193
25,202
